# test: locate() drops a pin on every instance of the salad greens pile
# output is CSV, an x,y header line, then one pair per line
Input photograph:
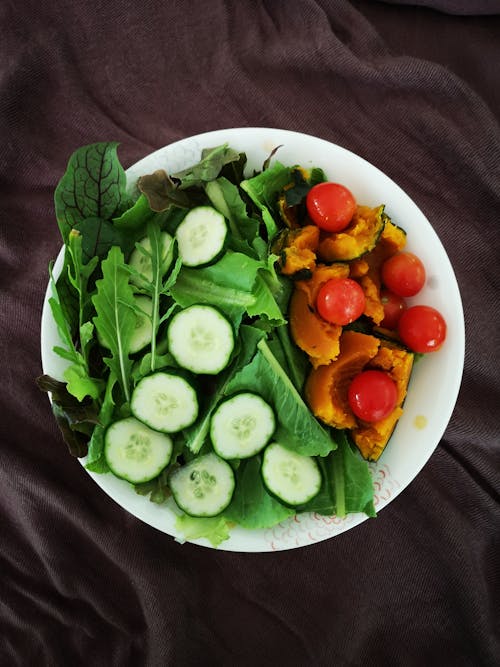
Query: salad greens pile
x,y
93,303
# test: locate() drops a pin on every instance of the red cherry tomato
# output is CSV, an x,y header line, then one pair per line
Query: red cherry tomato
x,y
330,206
394,306
372,395
403,274
422,329
340,301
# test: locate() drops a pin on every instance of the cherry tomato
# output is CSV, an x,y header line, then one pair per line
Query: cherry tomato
x,y
394,306
330,206
340,301
372,395
422,329
403,274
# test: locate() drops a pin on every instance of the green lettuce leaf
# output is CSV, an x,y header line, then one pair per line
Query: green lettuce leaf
x,y
226,198
297,427
208,168
93,186
197,435
252,506
227,284
215,529
347,483
264,189
236,284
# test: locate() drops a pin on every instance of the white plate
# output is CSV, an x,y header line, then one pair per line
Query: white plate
x,y
435,380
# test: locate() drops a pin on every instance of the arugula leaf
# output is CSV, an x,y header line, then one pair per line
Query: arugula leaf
x,y
93,186
208,168
298,429
115,319
156,287
95,459
252,506
79,382
79,274
214,529
347,483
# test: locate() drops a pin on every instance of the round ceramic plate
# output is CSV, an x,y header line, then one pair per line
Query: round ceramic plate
x,y
435,380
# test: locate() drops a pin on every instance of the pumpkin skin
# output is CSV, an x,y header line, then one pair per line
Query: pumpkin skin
x,y
314,335
327,386
371,439
359,237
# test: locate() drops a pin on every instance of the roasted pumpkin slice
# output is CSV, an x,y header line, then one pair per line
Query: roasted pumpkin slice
x,y
357,239
317,337
321,274
367,268
297,251
327,386
371,439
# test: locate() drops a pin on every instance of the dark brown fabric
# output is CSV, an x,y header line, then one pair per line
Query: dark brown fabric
x,y
84,583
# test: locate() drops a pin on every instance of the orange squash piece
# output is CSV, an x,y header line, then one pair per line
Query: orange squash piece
x,y
326,386
367,268
317,337
298,251
371,439
358,238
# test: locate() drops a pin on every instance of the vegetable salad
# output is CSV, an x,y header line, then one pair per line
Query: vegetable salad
x,y
181,374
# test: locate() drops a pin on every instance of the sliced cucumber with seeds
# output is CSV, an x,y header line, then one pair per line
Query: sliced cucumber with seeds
x,y
203,487
241,426
201,236
140,260
292,478
141,335
165,401
135,452
201,339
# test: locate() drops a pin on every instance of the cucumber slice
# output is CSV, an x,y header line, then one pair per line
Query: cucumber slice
x,y
203,487
201,339
241,426
141,336
201,236
143,329
294,479
165,401
135,452
141,262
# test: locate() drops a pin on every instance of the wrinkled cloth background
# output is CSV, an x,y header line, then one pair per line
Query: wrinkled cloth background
x,y
412,89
